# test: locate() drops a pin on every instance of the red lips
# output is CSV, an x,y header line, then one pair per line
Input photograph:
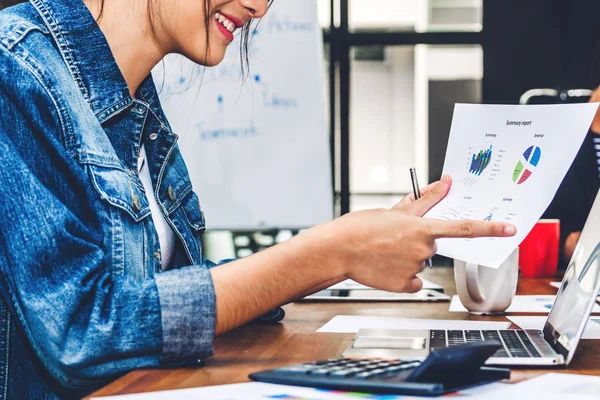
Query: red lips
x,y
237,22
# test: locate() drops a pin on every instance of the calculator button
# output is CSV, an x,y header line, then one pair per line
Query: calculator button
x,y
363,375
320,372
401,362
370,374
377,372
329,361
356,370
343,373
367,368
397,368
384,365
342,362
366,362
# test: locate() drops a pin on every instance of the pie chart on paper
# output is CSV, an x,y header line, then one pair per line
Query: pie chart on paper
x,y
526,166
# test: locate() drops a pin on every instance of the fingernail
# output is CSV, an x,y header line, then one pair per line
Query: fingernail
x,y
446,179
510,230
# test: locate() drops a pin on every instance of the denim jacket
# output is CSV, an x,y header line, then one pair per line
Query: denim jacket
x,y
84,299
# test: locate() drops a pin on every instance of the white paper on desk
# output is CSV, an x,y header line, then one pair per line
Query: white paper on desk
x,y
557,285
534,303
349,284
352,323
246,391
268,391
592,329
551,386
506,163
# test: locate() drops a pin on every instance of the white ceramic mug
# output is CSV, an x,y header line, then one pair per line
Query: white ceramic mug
x,y
484,290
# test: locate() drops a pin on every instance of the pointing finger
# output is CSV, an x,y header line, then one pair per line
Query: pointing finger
x,y
414,285
470,229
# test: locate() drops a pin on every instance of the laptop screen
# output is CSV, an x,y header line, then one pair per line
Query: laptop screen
x,y
578,291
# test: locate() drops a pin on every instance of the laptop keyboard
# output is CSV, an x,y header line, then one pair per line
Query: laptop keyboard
x,y
515,342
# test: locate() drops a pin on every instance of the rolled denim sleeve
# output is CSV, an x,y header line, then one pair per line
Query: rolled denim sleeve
x,y
187,303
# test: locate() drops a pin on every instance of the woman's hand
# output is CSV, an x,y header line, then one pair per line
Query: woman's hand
x,y
380,248
386,248
570,244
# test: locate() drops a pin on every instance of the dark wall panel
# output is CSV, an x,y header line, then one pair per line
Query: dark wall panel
x,y
539,43
442,97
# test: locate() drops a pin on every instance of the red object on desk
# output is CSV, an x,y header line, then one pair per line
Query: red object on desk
x,y
538,253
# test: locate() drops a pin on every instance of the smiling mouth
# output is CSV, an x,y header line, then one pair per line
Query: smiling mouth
x,y
225,22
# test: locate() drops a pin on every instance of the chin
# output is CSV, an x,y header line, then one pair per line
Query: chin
x,y
212,61
208,60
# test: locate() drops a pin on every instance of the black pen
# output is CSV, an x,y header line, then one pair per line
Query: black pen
x,y
417,194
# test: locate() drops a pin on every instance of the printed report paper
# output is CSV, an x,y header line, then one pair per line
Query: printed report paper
x,y
551,386
557,285
268,391
353,323
506,163
541,303
349,284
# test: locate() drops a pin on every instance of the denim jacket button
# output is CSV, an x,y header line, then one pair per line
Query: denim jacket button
x,y
157,255
171,193
137,206
153,136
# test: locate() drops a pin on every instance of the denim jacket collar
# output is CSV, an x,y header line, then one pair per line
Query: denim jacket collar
x,y
92,64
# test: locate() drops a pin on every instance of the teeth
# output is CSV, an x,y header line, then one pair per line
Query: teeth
x,y
230,26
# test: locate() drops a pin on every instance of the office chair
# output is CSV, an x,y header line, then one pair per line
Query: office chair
x,y
555,96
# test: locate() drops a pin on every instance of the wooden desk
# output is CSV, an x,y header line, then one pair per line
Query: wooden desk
x,y
256,347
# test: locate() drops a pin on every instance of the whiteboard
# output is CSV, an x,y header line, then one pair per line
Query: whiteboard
x,y
257,151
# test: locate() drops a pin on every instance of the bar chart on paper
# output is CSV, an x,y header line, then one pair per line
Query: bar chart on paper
x,y
526,166
480,161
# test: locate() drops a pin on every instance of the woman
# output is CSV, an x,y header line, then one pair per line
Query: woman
x,y
101,263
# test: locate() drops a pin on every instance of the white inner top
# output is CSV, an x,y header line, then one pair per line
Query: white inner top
x,y
166,236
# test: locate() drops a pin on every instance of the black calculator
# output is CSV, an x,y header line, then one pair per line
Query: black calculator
x,y
444,371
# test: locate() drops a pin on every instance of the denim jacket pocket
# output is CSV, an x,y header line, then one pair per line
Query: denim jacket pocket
x,y
116,187
189,222
193,213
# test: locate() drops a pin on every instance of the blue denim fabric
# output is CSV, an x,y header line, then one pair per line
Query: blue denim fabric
x,y
84,299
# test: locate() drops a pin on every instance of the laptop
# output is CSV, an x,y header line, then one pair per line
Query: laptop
x,y
554,345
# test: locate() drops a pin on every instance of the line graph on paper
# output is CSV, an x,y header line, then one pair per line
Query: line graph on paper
x,y
452,212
